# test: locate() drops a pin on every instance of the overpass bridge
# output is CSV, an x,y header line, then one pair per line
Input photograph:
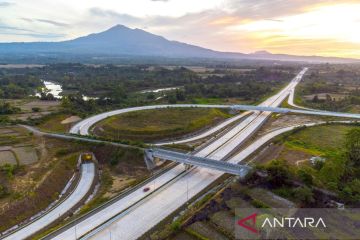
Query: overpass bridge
x,y
289,110
226,167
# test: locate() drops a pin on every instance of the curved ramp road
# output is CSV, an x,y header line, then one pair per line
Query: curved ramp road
x,y
291,102
138,212
83,126
82,188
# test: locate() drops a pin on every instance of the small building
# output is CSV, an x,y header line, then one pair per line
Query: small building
x,y
316,159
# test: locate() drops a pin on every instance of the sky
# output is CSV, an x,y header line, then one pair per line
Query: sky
x,y
300,27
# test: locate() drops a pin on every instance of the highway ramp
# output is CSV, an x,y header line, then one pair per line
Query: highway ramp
x,y
87,177
140,211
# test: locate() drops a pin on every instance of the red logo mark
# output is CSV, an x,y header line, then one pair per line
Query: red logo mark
x,y
251,228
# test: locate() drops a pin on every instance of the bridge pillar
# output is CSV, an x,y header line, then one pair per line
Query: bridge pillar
x,y
187,166
149,159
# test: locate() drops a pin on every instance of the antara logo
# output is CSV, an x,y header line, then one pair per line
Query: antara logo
x,y
251,228
291,222
288,222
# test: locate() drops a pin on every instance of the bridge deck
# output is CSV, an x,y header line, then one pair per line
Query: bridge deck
x,y
236,169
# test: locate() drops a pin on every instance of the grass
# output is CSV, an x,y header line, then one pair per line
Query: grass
x,y
36,199
324,138
52,123
151,125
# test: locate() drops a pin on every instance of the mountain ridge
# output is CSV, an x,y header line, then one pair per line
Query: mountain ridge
x,y
120,40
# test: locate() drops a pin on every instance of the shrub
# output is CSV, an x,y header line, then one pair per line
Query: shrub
x,y
279,172
3,191
35,109
305,176
304,194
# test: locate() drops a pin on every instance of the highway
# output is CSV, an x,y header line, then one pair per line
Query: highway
x,y
83,187
291,102
191,160
138,212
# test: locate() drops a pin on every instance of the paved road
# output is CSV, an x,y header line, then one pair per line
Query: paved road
x,y
139,211
141,217
208,132
83,187
84,126
291,102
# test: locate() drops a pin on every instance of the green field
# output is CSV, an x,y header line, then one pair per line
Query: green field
x,y
325,138
325,141
151,125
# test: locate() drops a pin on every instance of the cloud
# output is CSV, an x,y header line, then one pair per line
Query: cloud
x,y
9,30
35,35
51,22
123,18
5,4
55,23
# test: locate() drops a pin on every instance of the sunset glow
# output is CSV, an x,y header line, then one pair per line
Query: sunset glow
x,y
329,28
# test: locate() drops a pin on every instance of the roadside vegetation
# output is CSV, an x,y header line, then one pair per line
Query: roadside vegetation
x,y
287,179
34,170
331,87
158,124
324,157
112,87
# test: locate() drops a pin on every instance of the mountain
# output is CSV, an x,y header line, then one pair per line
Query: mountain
x,y
122,41
118,40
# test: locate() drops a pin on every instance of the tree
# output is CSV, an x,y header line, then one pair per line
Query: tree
x,y
35,109
6,108
119,93
316,99
304,194
279,172
172,98
305,176
352,146
3,191
151,96
180,95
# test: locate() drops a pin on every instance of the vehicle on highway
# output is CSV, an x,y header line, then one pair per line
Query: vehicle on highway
x,y
86,157
146,189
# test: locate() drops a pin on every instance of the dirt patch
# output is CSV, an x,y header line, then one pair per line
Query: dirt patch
x,y
26,155
323,96
225,221
119,183
294,156
71,119
42,105
277,121
270,152
7,157
270,198
206,231
184,236
7,131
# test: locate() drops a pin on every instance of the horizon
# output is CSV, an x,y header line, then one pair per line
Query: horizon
x,y
303,28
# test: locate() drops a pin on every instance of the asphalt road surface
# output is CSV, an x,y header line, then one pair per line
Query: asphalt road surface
x,y
140,211
82,188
